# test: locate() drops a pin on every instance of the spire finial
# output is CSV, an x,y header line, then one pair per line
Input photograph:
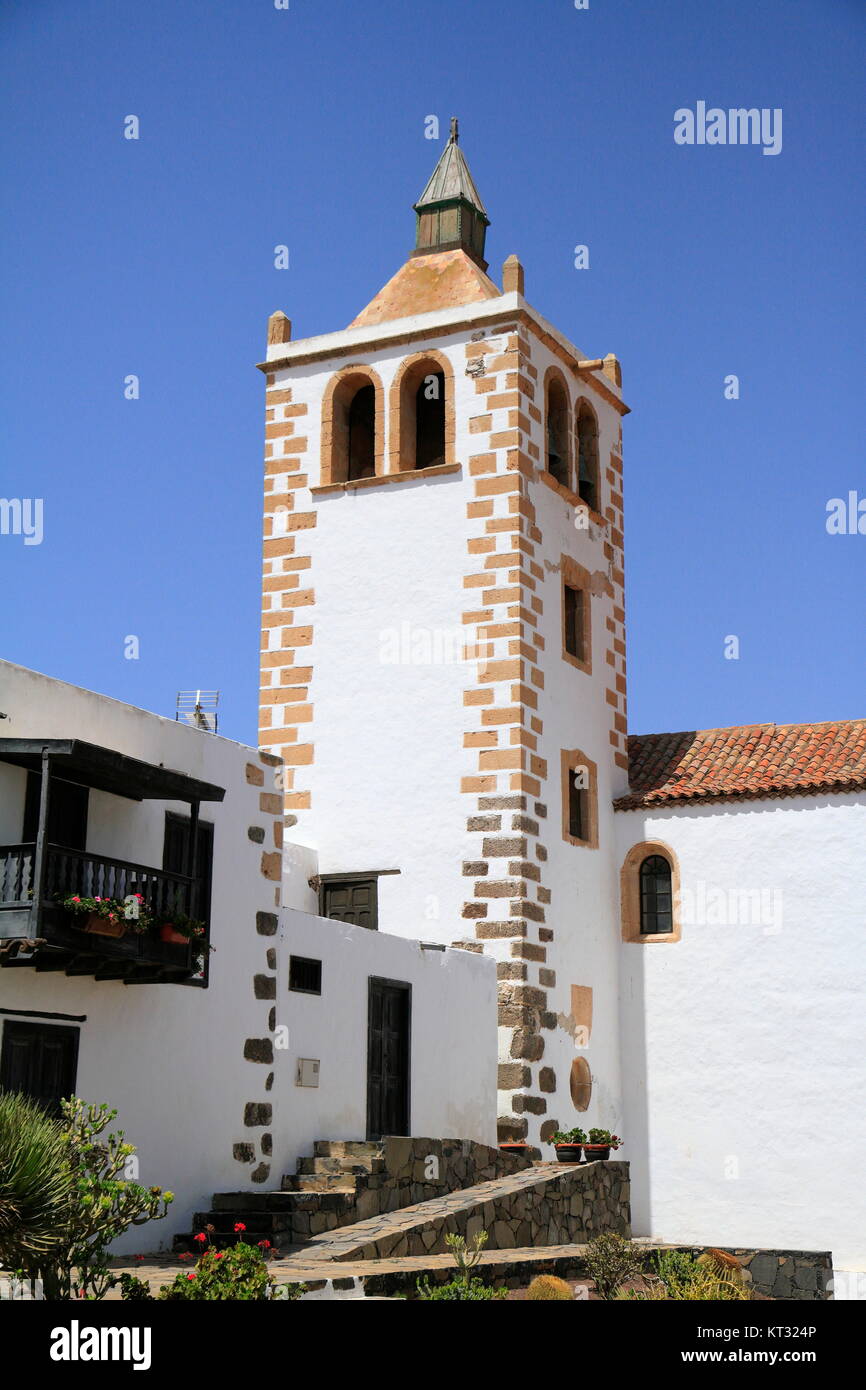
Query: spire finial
x,y
454,131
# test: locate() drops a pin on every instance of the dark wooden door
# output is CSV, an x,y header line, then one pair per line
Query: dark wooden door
x,y
40,1060
388,1057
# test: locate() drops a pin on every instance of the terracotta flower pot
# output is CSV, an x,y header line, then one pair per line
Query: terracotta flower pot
x,y
594,1152
168,933
568,1153
100,926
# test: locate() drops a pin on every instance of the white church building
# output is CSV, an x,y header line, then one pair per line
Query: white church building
x,y
659,935
676,919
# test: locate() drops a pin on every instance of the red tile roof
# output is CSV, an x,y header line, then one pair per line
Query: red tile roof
x,y
750,761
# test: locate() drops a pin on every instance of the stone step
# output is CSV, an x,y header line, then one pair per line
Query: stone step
x,y
243,1202
340,1202
222,1240
318,1182
346,1148
258,1223
356,1164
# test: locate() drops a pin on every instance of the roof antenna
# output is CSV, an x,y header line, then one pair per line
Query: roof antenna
x,y
198,708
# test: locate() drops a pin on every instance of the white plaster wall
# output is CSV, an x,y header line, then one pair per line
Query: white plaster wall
x,y
743,1044
453,1037
168,1057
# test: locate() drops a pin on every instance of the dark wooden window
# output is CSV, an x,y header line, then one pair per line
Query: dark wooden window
x,y
587,457
430,421
362,434
578,806
656,900
177,857
351,900
575,626
67,812
388,1057
557,433
41,1061
305,975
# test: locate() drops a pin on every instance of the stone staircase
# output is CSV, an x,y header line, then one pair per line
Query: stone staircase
x,y
347,1181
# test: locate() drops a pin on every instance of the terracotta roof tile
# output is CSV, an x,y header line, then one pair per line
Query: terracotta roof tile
x,y
749,761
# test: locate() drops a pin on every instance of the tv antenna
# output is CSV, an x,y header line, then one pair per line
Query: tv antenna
x,y
198,708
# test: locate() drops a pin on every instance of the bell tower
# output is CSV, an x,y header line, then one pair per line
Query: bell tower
x,y
443,640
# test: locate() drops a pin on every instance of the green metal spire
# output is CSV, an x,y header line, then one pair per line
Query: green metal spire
x,y
450,213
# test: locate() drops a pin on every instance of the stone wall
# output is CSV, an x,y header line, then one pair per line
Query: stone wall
x,y
407,1170
546,1204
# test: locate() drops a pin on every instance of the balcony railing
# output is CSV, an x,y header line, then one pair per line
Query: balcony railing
x,y
73,871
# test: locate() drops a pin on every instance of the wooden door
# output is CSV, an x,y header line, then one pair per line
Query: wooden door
x,y
40,1060
388,1057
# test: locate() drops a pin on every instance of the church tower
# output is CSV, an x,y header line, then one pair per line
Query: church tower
x,y
443,642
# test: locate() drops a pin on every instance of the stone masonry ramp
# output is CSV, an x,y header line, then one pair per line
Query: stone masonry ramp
x,y
547,1204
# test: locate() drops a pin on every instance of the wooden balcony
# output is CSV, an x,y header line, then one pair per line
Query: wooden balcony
x,y
41,934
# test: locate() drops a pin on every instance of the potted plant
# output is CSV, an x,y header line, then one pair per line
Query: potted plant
x,y
568,1144
513,1146
108,916
599,1145
182,930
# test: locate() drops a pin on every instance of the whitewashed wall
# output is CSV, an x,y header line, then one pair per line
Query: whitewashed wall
x,y
169,1057
453,1036
743,1044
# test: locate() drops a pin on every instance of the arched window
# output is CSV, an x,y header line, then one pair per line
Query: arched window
x,y
430,421
361,452
587,456
422,413
656,896
557,431
352,426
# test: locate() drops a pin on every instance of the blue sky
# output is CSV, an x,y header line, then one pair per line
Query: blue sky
x,y
306,127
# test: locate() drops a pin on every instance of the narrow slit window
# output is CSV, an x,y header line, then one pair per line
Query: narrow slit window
x,y
656,897
575,625
578,819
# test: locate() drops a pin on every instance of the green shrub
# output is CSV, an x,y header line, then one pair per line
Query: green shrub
x,y
35,1184
459,1291
464,1287
240,1273
610,1260
104,1203
681,1278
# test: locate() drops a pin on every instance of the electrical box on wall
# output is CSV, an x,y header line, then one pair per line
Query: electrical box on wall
x,y
308,1071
